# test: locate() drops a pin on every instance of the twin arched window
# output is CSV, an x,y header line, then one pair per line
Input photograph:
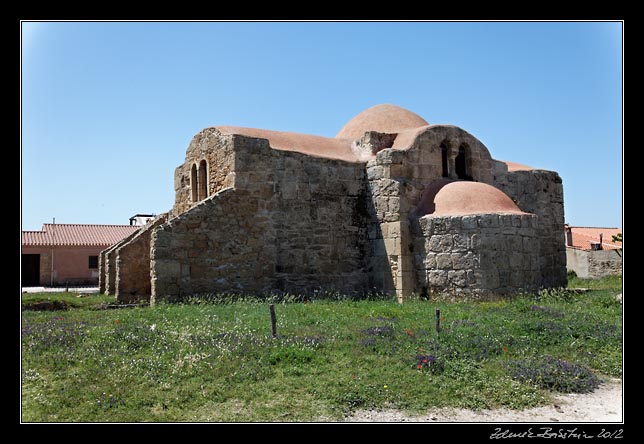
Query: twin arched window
x,y
460,168
199,181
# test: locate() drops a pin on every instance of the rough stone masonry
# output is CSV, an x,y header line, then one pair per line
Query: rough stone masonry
x,y
391,205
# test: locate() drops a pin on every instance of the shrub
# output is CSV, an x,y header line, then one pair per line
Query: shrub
x,y
555,374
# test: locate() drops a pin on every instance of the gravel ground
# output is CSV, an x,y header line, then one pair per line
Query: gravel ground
x,y
59,289
602,405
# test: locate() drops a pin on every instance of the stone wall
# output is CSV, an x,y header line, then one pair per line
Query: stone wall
x,y
594,264
132,282
217,150
107,266
292,223
540,192
396,180
282,221
422,162
388,230
477,255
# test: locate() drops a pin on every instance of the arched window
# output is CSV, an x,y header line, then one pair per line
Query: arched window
x,y
193,182
444,161
203,180
460,164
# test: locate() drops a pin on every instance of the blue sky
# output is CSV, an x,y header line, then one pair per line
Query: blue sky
x,y
109,108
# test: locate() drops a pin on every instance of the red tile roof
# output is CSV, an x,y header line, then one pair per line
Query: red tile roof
x,y
77,235
582,236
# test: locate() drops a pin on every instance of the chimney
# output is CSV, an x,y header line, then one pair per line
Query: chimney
x,y
568,231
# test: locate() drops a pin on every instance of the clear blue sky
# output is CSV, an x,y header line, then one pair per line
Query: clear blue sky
x,y
108,109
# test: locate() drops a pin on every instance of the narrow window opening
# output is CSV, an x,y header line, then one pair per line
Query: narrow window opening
x,y
203,180
460,164
193,182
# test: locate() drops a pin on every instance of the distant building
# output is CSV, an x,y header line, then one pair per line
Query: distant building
x,y
141,219
591,251
62,254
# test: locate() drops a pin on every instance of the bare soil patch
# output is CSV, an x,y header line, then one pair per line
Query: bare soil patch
x,y
602,405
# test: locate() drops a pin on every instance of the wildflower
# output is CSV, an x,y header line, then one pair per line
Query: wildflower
x,y
420,366
505,349
409,332
153,327
385,386
424,361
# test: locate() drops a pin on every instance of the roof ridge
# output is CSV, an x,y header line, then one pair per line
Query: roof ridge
x,y
583,226
93,225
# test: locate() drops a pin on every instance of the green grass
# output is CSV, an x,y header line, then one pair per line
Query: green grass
x,y
72,300
218,362
606,283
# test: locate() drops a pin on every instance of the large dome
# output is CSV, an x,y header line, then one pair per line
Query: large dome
x,y
382,118
446,197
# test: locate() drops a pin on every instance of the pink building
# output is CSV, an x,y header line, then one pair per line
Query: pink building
x,y
591,252
67,253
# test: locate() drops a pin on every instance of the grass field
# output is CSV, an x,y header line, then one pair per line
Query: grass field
x,y
209,361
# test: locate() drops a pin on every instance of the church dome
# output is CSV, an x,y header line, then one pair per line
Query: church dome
x,y
446,197
383,119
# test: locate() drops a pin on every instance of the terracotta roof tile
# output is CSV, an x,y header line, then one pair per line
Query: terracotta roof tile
x,y
582,236
77,235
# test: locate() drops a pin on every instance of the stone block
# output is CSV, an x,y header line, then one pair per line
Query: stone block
x,y
502,260
460,243
393,205
430,261
469,222
426,226
168,268
513,243
444,261
437,278
488,220
375,172
457,278
475,241
462,261
440,243
517,220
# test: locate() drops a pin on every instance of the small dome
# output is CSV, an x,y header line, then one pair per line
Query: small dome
x,y
382,118
446,197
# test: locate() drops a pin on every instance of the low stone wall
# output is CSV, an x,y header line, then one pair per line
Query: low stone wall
x,y
132,283
107,266
594,264
476,255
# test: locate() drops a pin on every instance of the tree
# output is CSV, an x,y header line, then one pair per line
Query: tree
x,y
617,237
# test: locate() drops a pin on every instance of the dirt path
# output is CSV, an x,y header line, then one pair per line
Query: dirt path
x,y
603,405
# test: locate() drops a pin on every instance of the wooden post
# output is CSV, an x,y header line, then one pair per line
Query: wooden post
x,y
273,320
438,320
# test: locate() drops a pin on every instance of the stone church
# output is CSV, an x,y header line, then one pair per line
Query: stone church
x,y
391,204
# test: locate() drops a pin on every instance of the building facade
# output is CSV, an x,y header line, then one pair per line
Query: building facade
x,y
592,253
63,254
392,205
